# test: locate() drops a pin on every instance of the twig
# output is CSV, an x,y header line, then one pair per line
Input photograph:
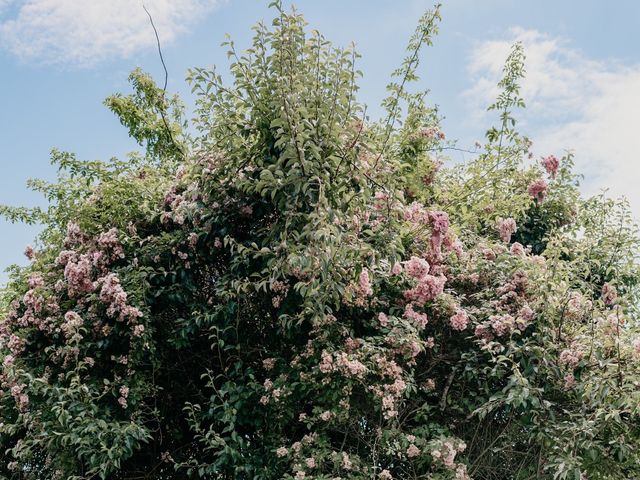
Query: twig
x,y
166,79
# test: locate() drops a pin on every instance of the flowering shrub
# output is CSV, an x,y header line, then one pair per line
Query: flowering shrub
x,y
298,293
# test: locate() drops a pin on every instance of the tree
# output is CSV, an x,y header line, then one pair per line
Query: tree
x,y
299,292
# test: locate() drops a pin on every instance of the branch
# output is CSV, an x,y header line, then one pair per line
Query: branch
x,y
164,88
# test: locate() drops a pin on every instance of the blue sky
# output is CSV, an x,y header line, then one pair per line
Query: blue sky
x,y
60,58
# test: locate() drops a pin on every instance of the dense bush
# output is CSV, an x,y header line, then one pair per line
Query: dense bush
x,y
283,288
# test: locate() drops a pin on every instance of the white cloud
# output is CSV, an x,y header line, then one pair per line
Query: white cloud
x,y
573,102
84,32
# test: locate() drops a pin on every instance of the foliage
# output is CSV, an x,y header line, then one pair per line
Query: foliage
x,y
299,292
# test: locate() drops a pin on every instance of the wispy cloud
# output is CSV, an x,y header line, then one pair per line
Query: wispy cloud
x,y
573,102
85,32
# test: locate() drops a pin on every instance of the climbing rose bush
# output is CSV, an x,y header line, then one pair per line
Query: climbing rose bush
x,y
282,288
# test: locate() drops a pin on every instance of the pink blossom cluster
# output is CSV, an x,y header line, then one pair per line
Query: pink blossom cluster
x,y
427,289
388,393
576,306
551,164
350,366
569,381
506,228
124,394
439,228
460,320
570,358
609,294
20,396
538,189
381,200
29,252
489,254
453,246
280,288
502,325
71,325
74,235
416,213
444,451
517,249
420,320
513,293
413,451
431,133
77,272
109,242
326,362
15,344
364,282
114,296
416,267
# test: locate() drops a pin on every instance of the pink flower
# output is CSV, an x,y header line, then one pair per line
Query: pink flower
x,y
570,358
385,475
432,133
526,313
138,330
501,324
326,416
439,228
351,367
74,234
415,213
538,189
517,249
507,227
551,165
569,381
416,267
72,323
192,239
383,319
489,254
77,273
454,246
269,363
29,252
365,283
428,288
109,241
459,320
609,294
413,451
282,452
35,280
326,364
420,320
